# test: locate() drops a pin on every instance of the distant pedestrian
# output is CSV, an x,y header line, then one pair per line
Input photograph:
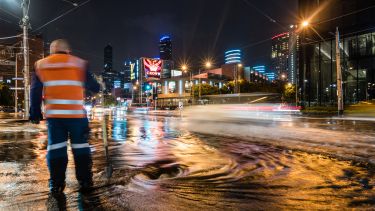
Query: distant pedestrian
x,y
60,80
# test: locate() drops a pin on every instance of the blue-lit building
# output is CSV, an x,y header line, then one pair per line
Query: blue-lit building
x,y
257,74
233,56
260,69
165,47
270,76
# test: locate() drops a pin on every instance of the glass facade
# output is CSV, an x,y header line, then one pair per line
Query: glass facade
x,y
318,85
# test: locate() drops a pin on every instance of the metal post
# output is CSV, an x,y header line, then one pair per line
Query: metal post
x,y
236,79
340,100
192,88
200,91
16,87
25,26
296,93
155,94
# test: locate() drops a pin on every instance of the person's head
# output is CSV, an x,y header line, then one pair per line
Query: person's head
x,y
60,45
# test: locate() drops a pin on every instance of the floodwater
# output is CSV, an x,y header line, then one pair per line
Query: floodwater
x,y
173,163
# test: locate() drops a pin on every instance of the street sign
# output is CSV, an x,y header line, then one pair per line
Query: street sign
x,y
180,105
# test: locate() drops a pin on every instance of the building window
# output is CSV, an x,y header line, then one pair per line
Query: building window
x,y
187,86
172,87
159,88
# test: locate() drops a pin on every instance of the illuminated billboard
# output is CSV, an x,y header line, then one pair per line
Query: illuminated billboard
x,y
152,67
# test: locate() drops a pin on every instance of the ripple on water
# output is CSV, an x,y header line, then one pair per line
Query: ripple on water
x,y
246,175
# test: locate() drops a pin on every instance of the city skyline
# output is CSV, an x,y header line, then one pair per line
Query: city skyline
x,y
199,29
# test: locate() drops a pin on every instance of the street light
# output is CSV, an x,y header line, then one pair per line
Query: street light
x,y
305,24
235,76
208,64
134,89
184,67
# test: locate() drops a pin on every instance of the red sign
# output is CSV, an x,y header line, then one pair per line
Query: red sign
x,y
152,67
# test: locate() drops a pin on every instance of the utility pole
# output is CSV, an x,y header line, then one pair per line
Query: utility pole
x,y
340,100
25,25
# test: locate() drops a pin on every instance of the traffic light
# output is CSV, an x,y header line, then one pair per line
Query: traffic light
x,y
147,87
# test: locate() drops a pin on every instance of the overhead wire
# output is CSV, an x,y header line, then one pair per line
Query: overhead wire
x,y
62,15
341,16
9,13
321,22
247,2
10,37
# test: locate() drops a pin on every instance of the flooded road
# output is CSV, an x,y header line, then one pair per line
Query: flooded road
x,y
172,163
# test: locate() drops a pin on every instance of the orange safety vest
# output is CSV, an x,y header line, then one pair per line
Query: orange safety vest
x,y
63,77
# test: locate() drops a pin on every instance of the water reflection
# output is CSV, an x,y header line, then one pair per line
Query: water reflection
x,y
160,164
120,129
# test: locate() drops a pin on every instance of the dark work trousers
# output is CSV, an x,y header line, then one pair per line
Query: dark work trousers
x,y
77,130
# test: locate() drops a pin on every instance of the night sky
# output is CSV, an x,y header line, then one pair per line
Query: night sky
x,y
199,28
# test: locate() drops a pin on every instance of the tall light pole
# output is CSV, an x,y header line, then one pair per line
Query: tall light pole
x,y
25,26
305,24
236,87
184,68
340,100
207,65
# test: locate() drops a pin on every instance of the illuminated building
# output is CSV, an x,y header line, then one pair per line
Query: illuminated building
x,y
260,69
270,76
256,74
233,56
280,54
165,47
284,57
317,67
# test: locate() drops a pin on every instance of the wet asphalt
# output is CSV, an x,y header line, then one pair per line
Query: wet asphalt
x,y
173,163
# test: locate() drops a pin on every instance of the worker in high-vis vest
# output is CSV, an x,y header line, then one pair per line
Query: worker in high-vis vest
x,y
60,81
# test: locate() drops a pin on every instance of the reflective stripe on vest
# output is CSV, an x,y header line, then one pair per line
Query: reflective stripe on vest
x,y
80,146
65,112
64,102
63,83
56,146
60,65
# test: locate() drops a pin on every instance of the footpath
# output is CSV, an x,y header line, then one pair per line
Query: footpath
x,y
362,111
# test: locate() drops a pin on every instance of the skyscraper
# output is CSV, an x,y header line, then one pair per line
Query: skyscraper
x,y
109,75
293,58
165,47
108,58
280,55
284,55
